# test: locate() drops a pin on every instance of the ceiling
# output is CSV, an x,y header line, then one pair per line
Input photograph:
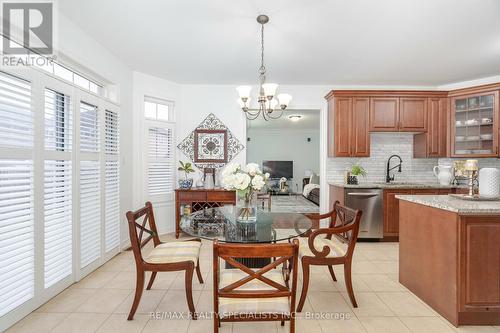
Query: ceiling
x,y
350,42
309,120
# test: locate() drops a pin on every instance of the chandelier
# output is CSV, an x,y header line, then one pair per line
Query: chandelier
x,y
269,106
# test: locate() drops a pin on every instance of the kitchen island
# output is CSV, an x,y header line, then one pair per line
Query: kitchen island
x,y
449,256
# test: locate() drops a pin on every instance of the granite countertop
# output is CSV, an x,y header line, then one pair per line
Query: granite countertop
x,y
462,207
396,185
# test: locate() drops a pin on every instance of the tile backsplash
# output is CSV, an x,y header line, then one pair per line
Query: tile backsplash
x,y
384,145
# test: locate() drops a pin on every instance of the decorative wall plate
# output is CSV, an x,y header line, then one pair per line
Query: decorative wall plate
x,y
211,155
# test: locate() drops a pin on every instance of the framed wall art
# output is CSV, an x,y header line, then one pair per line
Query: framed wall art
x,y
210,146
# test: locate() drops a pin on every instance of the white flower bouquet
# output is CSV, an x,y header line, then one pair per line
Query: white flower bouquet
x,y
246,182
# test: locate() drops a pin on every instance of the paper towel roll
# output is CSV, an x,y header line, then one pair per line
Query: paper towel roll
x,y
489,182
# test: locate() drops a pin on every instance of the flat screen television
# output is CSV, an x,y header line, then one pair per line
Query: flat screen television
x,y
278,169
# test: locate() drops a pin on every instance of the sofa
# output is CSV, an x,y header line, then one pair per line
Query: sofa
x,y
308,193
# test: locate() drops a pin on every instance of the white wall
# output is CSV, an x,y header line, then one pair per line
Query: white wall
x,y
285,145
200,100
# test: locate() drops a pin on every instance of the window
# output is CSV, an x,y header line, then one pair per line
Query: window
x,y
112,181
37,205
58,121
160,146
58,221
17,258
90,212
81,81
160,161
94,88
89,128
17,224
63,73
16,116
157,109
112,204
72,77
57,190
112,136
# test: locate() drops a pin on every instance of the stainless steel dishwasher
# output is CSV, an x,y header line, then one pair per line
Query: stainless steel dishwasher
x,y
368,200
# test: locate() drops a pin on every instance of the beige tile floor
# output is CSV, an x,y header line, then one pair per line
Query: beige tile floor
x,y
101,301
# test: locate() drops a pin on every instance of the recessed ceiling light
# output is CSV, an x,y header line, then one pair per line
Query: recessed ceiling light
x,y
294,117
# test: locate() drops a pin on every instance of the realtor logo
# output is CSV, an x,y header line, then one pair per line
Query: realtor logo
x,y
30,25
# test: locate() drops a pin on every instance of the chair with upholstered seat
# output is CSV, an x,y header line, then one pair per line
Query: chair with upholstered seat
x,y
246,294
164,257
330,246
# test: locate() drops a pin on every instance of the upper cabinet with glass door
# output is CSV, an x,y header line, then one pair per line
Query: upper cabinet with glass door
x,y
474,123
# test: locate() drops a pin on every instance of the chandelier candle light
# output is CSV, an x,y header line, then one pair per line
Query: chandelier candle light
x,y
270,107
246,182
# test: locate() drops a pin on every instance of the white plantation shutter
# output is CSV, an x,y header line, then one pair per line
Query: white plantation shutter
x,y
17,277
57,222
89,128
41,162
112,204
58,121
112,133
16,116
90,212
160,161
112,181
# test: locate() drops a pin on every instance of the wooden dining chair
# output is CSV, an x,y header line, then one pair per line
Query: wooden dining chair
x,y
165,257
330,246
245,294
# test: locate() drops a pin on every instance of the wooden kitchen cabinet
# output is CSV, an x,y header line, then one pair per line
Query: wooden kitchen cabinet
x,y
412,114
451,262
351,137
394,114
342,126
360,136
437,115
391,206
474,124
458,123
433,143
424,191
384,114
391,211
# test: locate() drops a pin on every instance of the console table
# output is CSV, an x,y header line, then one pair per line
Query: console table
x,y
200,198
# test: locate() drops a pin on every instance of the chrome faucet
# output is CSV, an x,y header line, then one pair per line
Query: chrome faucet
x,y
387,177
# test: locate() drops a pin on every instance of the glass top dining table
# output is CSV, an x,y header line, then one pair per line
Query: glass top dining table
x,y
220,223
